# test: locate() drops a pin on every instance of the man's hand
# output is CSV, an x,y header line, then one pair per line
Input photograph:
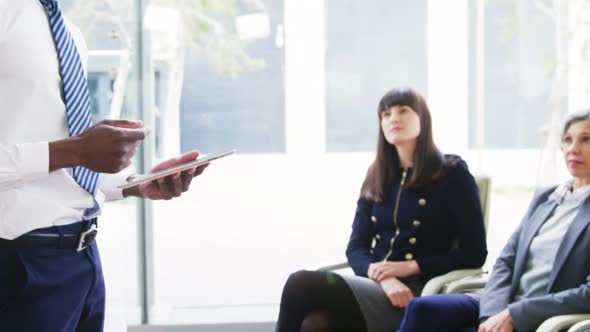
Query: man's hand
x,y
398,294
170,186
383,270
109,146
501,322
106,147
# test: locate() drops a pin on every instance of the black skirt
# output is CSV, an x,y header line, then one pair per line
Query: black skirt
x,y
380,315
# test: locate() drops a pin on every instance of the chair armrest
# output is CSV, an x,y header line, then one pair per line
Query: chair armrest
x,y
562,322
333,267
452,282
339,268
468,284
441,283
582,326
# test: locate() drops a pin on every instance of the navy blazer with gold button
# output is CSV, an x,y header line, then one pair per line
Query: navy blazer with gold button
x,y
441,228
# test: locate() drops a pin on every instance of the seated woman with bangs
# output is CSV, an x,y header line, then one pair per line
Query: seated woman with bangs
x,y
415,204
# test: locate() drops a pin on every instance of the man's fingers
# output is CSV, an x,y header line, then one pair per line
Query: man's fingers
x,y
133,135
166,164
200,169
123,123
164,189
176,184
172,182
187,176
175,161
192,155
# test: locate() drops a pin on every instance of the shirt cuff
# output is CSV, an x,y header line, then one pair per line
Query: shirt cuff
x,y
33,160
109,182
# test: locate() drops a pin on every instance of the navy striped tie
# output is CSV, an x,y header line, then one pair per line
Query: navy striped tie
x,y
75,87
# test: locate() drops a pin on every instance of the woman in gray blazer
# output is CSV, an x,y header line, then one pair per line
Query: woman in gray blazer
x,y
543,271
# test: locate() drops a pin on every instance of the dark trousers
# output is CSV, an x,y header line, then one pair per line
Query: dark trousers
x,y
46,289
445,312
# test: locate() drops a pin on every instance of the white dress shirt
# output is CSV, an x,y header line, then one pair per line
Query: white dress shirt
x,y
32,114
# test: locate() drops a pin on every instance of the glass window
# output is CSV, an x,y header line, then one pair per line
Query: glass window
x,y
519,67
369,50
108,28
530,82
219,85
206,51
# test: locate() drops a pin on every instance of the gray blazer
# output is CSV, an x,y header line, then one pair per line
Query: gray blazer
x,y
568,290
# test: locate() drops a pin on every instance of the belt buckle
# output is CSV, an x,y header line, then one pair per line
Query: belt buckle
x,y
82,242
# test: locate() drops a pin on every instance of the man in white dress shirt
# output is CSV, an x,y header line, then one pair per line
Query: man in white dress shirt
x,y
50,273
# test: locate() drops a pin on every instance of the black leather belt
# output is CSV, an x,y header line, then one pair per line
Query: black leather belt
x,y
77,242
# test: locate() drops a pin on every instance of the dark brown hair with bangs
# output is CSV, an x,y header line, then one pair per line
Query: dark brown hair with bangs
x,y
429,163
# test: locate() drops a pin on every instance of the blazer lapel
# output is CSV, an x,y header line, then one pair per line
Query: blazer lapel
x,y
569,240
537,219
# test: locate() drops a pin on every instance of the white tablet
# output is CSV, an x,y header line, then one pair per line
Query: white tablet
x,y
175,169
